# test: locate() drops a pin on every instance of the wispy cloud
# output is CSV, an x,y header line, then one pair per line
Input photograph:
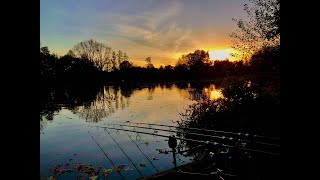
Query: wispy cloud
x,y
157,28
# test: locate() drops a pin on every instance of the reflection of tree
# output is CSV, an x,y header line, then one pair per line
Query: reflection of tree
x,y
244,103
105,104
168,86
247,106
48,107
198,91
91,102
126,90
182,85
250,106
151,89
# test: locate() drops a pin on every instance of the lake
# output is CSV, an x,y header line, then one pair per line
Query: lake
x,y
72,121
65,122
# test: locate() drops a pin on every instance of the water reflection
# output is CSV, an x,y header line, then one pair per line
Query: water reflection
x,y
243,105
249,107
94,104
214,93
105,104
151,89
198,92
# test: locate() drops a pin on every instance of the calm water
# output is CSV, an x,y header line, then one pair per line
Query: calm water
x,y
68,114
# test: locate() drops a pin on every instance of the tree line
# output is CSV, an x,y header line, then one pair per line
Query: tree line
x,y
257,40
94,60
86,59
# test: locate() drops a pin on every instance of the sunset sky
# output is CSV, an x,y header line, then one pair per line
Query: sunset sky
x,y
161,29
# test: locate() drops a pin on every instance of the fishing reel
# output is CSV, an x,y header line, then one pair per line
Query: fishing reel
x,y
172,142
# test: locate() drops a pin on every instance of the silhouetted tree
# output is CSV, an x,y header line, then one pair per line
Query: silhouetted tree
x,y
182,60
98,53
125,57
224,67
71,54
114,61
168,67
47,64
199,57
266,59
125,65
149,64
44,51
262,28
161,68
70,65
120,57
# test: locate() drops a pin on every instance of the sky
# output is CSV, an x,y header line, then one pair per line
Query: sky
x,y
161,29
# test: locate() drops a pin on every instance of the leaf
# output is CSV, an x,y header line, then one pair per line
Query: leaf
x,y
90,172
93,177
142,165
119,168
154,158
52,178
99,169
81,167
105,173
66,171
55,170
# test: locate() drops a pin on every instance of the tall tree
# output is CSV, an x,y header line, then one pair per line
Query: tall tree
x,y
262,29
44,51
47,64
98,53
197,58
114,61
125,57
125,65
120,57
149,63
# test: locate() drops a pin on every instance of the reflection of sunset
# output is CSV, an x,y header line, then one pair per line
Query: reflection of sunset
x,y
213,93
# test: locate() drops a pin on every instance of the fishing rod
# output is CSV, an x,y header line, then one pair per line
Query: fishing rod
x,y
218,173
214,173
209,130
142,151
198,134
105,154
192,140
123,152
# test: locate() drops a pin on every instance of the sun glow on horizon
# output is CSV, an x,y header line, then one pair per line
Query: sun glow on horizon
x,y
221,54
